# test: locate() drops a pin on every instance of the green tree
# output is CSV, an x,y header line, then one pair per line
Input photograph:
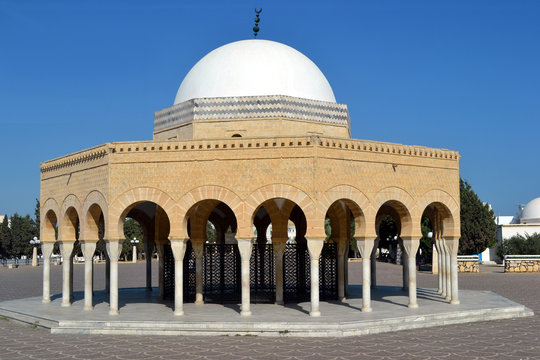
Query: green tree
x,y
23,229
37,216
478,225
5,238
132,229
211,235
426,243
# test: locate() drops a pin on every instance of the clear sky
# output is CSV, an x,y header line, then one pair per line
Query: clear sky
x,y
462,75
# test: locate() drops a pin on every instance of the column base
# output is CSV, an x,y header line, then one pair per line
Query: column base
x,y
314,313
245,313
454,302
343,298
367,309
447,298
114,312
88,308
199,302
179,313
45,301
66,304
279,302
412,306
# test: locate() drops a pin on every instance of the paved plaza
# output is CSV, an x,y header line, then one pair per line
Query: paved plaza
x,y
516,338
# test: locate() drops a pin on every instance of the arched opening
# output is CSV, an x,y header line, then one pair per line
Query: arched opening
x,y
343,218
436,222
237,135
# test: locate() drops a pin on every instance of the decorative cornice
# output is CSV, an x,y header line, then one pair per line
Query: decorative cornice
x,y
81,157
251,107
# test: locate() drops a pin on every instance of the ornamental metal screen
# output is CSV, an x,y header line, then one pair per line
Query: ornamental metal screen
x,y
222,273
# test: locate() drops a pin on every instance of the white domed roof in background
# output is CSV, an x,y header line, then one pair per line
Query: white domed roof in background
x,y
255,68
531,212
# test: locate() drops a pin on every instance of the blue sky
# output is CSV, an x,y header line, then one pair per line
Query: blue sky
x,y
463,75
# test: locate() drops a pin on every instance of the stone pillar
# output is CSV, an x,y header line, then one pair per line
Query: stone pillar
x,y
148,250
405,266
46,250
107,271
442,269
279,249
198,249
244,247
178,248
434,259
161,272
447,271
365,246
134,254
88,248
373,264
314,247
438,261
342,247
411,247
66,249
114,248
453,246
34,256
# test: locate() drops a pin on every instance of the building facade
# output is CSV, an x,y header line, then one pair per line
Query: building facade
x,y
255,137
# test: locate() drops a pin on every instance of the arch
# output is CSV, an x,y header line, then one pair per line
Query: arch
x,y
447,207
71,218
208,192
49,215
406,208
94,205
287,192
126,201
356,201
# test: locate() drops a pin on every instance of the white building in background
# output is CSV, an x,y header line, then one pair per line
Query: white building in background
x,y
526,221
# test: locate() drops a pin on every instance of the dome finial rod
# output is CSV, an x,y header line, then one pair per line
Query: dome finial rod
x,y
257,19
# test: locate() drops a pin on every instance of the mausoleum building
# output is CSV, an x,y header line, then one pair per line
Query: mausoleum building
x,y
254,138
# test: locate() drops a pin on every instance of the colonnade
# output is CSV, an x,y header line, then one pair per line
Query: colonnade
x,y
447,280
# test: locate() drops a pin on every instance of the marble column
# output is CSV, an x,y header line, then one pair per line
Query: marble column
x,y
447,272
46,250
314,247
198,249
342,247
161,270
66,249
442,269
365,246
373,263
411,247
114,248
88,248
178,247
279,250
148,250
244,247
405,266
453,246
439,266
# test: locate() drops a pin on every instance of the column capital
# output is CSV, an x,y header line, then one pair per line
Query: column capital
x,y
244,247
178,247
410,245
114,248
315,246
365,245
47,249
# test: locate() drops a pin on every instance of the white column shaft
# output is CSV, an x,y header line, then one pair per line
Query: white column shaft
x,y
244,247
279,250
46,250
198,248
66,248
88,248
114,248
178,248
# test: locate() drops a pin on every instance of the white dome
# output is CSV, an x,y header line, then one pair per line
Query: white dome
x,y
255,68
531,212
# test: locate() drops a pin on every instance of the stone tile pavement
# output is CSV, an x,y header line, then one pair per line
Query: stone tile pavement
x,y
501,339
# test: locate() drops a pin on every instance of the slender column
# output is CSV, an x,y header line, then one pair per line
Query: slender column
x,y
114,248
405,266
314,247
107,271
442,269
71,297
178,248
34,256
198,249
447,271
365,246
342,247
279,249
439,266
434,257
149,250
244,247
373,264
161,273
46,250
134,254
66,248
453,246
411,247
88,248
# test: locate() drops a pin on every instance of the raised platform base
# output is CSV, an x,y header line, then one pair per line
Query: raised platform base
x,y
142,314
